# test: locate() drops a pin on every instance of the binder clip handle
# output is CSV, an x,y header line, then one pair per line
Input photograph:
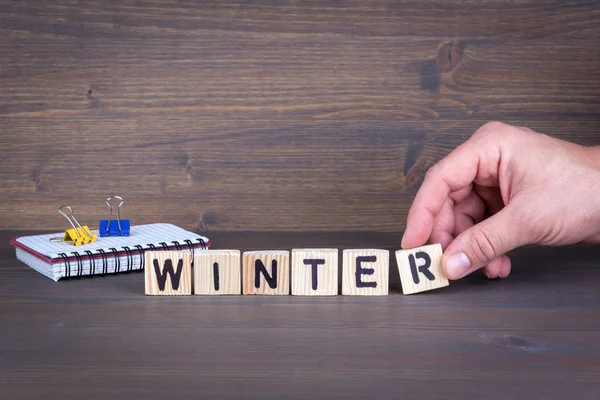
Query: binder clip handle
x,y
76,235
118,209
73,221
114,228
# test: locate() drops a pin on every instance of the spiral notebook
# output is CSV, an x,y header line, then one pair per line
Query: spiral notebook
x,y
106,255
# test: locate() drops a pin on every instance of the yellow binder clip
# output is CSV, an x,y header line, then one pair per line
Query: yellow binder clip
x,y
79,234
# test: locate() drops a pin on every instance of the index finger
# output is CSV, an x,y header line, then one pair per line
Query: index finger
x,y
478,157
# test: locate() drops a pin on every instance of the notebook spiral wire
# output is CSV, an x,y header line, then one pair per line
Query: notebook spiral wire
x,y
117,262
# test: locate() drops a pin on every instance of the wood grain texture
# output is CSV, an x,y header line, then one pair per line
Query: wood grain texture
x,y
365,272
531,335
168,273
304,280
257,116
266,272
227,279
424,271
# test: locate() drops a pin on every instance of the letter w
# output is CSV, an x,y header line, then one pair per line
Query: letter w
x,y
168,269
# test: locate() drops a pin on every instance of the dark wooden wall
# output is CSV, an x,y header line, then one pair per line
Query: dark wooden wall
x,y
274,115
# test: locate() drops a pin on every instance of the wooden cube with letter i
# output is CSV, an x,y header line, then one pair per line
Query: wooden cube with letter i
x,y
217,272
421,269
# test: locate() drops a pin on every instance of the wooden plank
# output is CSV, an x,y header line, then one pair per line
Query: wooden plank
x,y
365,272
232,100
168,273
401,78
162,20
217,272
155,19
314,272
266,272
421,269
225,182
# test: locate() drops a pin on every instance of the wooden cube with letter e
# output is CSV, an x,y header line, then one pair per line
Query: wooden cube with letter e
x,y
421,269
365,272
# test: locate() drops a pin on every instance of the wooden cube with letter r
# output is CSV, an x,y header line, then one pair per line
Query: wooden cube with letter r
x,y
168,273
421,269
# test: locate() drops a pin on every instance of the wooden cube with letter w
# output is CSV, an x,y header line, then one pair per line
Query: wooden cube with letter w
x,y
168,273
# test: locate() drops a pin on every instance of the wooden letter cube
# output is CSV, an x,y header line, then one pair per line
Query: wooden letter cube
x,y
366,272
266,272
421,269
315,272
168,273
217,272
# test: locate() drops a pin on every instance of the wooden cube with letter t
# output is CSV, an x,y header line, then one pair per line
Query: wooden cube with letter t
x,y
314,272
421,269
266,272
365,272
168,273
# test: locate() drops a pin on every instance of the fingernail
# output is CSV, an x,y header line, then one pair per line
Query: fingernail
x,y
457,265
402,240
487,274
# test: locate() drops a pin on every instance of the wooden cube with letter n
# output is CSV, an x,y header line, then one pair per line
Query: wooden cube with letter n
x,y
266,272
168,272
421,269
366,272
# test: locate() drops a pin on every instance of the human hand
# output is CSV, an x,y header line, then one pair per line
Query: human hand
x,y
506,187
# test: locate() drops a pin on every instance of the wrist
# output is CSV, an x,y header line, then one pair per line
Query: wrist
x,y
595,150
595,185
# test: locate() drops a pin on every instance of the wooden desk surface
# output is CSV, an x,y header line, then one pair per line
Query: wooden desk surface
x,y
534,335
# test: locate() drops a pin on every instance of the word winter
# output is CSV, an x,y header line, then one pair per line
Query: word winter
x,y
310,272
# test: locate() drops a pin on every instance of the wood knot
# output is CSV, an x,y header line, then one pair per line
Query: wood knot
x,y
93,101
415,164
416,173
449,56
36,177
447,59
208,220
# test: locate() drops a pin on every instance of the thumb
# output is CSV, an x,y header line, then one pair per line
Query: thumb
x,y
477,246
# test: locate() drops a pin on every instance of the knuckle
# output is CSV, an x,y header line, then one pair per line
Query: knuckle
x,y
483,247
500,131
491,128
433,171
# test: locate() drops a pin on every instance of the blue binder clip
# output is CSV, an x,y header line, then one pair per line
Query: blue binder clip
x,y
112,227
